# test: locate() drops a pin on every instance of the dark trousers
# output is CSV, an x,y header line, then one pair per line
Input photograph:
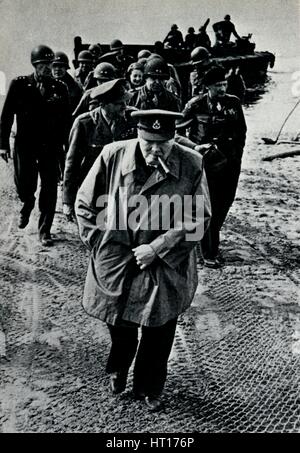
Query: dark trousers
x,y
28,164
152,353
222,189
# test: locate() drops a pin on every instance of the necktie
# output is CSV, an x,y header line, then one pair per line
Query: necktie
x,y
41,87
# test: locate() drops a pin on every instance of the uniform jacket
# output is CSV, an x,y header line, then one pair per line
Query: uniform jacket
x,y
41,119
143,99
75,91
89,133
80,78
222,123
115,289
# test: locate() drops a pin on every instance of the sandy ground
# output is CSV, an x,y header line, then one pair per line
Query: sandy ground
x,y
235,362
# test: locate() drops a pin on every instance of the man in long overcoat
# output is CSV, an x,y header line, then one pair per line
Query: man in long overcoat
x,y
142,269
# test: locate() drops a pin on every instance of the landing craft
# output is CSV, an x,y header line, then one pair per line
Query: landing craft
x,y
252,65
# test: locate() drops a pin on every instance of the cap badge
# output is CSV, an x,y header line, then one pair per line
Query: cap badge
x,y
156,125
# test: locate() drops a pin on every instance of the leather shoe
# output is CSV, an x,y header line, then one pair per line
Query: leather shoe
x,y
23,221
118,381
46,240
138,394
153,404
212,263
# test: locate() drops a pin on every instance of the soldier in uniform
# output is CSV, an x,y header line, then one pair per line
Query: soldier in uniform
x,y
101,74
118,57
109,122
201,61
223,31
174,38
139,275
41,106
218,125
86,65
60,68
96,51
154,94
190,39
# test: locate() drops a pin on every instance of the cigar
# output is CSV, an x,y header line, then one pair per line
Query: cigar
x,y
164,166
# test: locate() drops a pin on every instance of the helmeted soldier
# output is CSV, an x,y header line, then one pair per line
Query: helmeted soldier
x,y
223,31
118,57
174,38
40,104
109,122
86,65
201,62
101,74
154,94
60,66
96,51
190,39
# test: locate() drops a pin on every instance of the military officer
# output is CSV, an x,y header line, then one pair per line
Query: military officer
x,y
86,65
154,94
218,125
41,106
60,66
141,275
91,131
201,61
118,57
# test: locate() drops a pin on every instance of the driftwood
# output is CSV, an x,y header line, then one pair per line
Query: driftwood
x,y
295,152
288,142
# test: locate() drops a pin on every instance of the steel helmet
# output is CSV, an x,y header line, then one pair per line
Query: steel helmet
x,y
95,49
116,44
85,56
105,71
144,53
42,54
136,65
191,30
174,27
60,58
199,54
157,67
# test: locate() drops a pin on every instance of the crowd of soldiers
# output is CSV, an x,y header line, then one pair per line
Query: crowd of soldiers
x,y
222,29
73,118
121,121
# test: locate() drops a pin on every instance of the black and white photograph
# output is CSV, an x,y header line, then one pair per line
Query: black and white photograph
x,y
149,221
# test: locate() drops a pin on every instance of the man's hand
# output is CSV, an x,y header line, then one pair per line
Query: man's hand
x,y
202,148
5,154
144,255
68,212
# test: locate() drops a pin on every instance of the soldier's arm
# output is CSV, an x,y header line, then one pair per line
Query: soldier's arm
x,y
74,159
7,115
234,32
241,126
90,203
